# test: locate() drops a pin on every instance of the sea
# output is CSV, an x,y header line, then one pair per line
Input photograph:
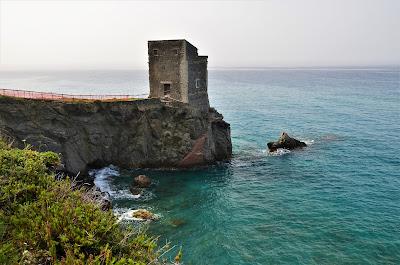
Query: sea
x,y
337,201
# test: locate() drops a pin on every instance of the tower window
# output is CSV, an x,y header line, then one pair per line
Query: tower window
x,y
167,89
198,83
155,52
176,51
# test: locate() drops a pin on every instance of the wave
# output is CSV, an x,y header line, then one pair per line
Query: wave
x,y
103,180
308,141
146,195
125,215
103,177
279,152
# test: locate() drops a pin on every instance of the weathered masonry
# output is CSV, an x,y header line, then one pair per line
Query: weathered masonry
x,y
177,72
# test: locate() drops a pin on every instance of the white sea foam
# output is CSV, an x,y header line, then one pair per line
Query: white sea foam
x,y
279,152
103,180
126,194
103,177
308,141
126,214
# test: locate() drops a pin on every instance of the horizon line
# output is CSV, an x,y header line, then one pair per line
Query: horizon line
x,y
316,67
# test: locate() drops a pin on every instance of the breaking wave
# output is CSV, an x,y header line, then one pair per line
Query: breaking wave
x,y
146,195
279,152
103,178
126,215
308,142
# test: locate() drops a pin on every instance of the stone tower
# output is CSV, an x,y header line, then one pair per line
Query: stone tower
x,y
177,72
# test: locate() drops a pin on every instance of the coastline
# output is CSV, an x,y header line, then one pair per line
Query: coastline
x,y
145,133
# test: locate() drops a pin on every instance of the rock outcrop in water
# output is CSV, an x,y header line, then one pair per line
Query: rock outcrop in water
x,y
142,181
143,215
285,142
129,134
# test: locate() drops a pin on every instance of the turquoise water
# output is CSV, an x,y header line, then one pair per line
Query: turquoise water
x,y
335,202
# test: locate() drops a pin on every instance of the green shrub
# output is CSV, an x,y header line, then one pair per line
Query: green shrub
x,y
4,145
50,159
44,221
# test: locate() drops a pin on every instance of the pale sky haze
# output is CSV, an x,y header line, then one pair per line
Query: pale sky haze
x,y
273,33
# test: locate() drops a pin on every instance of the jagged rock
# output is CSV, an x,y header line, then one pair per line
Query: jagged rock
x,y
136,191
196,155
106,204
102,198
143,214
144,133
142,181
285,142
218,136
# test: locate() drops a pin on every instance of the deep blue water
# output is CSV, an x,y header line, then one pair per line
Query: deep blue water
x,y
335,202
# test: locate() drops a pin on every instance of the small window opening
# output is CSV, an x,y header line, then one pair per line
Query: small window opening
x,y
155,52
167,89
198,83
176,51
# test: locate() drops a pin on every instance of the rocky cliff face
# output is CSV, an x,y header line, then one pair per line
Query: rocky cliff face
x,y
142,133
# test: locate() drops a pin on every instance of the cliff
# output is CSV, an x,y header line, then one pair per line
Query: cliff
x,y
130,134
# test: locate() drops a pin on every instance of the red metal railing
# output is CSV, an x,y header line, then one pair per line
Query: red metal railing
x,y
68,97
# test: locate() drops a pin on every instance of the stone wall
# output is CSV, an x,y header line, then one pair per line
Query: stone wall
x,y
198,83
167,63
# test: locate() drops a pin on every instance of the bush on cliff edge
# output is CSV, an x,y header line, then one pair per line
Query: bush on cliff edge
x,y
44,221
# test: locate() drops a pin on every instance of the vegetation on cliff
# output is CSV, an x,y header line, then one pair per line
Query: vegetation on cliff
x,y
48,221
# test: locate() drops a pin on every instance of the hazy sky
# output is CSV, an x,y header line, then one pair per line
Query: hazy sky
x,y
113,34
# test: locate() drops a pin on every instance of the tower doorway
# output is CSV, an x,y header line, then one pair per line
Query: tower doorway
x,y
167,89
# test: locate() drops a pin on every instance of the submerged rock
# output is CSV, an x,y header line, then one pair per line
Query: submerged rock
x,y
136,191
178,222
141,181
143,214
285,142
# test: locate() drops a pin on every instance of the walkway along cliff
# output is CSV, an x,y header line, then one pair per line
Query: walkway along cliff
x,y
174,128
